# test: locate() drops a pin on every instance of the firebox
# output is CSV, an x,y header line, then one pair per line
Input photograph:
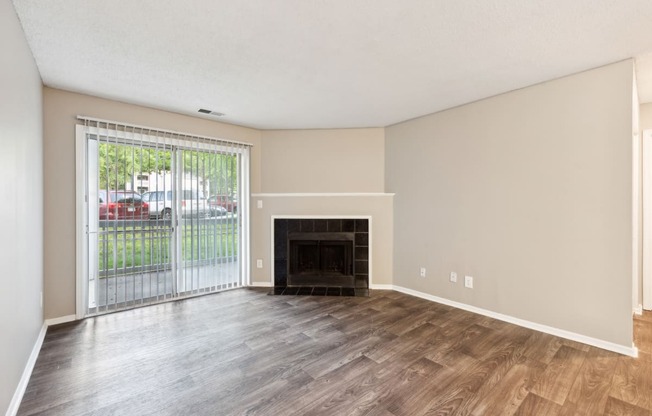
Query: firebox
x,y
321,259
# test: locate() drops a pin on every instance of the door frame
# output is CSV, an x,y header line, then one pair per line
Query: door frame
x,y
646,170
81,214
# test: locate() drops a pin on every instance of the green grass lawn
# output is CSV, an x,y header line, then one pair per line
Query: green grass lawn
x,y
134,247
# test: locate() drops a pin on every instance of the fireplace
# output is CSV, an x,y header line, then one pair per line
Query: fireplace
x,y
321,259
326,253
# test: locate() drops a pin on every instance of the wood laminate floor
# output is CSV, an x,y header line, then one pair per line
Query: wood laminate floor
x,y
245,353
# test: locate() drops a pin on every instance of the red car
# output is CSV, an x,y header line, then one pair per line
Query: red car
x,y
224,201
122,205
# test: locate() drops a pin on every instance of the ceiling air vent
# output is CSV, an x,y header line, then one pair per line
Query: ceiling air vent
x,y
211,112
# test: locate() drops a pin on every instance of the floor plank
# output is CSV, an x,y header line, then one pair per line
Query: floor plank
x,y
632,383
616,407
535,405
590,390
507,396
557,380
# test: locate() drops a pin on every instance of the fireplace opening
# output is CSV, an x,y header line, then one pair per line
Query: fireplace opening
x,y
324,259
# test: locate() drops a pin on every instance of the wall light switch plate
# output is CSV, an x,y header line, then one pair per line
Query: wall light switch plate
x,y
468,282
423,272
453,277
259,203
259,263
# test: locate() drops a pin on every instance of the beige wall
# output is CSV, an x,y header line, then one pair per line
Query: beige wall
x,y
379,208
21,211
530,193
337,160
60,111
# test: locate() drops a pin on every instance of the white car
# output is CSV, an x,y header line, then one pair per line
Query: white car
x,y
193,204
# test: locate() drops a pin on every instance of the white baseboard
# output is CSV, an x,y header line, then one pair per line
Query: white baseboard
x,y
261,284
31,361
27,373
606,345
60,320
381,287
638,310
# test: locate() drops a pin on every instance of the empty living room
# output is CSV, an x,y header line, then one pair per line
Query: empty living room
x,y
326,208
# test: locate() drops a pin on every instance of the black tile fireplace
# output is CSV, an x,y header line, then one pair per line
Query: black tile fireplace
x,y
327,255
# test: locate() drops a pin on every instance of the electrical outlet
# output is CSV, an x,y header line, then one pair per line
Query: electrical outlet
x,y
423,272
453,277
468,282
259,263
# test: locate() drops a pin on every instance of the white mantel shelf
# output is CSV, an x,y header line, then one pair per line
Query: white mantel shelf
x,y
332,194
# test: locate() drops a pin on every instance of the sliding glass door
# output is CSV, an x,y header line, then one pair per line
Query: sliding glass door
x,y
208,228
162,216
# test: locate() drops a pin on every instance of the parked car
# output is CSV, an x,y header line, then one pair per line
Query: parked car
x,y
193,204
122,205
229,203
217,211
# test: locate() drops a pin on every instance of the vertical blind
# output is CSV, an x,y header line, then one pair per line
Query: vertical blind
x,y
166,214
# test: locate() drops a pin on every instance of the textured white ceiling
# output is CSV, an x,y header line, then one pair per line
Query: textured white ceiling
x,y
323,64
